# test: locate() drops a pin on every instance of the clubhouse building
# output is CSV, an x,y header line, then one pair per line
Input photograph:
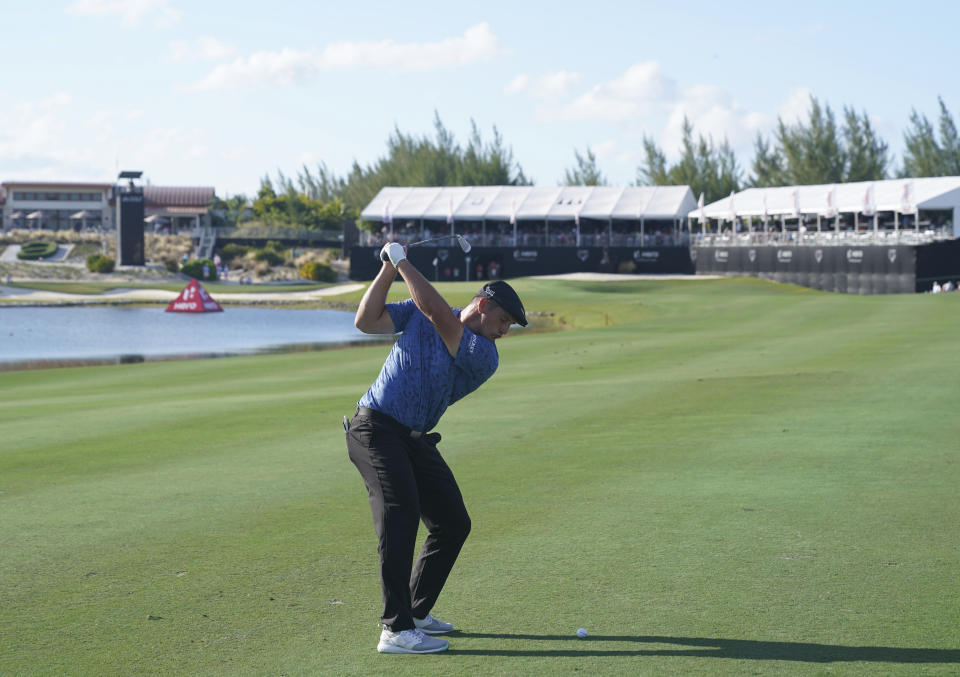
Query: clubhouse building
x,y
63,205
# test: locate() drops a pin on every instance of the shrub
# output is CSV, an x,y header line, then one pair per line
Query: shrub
x,y
171,265
195,269
232,251
158,247
39,249
98,263
318,272
269,256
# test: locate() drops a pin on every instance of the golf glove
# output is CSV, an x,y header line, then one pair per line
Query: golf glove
x,y
393,253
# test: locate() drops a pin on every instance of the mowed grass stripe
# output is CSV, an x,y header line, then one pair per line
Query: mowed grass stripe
x,y
728,459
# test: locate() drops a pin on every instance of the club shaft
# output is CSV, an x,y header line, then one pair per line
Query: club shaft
x,y
433,239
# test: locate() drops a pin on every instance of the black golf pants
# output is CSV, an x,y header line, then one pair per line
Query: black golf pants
x,y
408,481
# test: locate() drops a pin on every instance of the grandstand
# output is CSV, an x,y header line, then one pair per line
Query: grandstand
x,y
899,235
570,216
895,211
895,236
526,230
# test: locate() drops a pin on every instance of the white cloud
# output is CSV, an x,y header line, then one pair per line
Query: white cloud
x,y
517,85
797,106
644,100
129,11
159,145
202,49
34,127
36,142
638,92
104,122
289,66
549,86
286,67
713,113
40,141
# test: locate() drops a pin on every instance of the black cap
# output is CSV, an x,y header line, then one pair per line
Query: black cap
x,y
504,296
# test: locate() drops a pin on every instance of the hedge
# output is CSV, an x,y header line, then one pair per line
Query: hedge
x,y
38,249
318,272
195,270
98,263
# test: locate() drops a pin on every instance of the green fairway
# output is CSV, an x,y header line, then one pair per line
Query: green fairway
x,y
725,477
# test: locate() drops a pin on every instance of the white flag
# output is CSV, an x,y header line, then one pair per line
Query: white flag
x,y
702,217
796,203
733,209
763,202
906,201
831,209
868,203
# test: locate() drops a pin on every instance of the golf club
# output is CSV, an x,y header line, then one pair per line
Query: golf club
x,y
461,240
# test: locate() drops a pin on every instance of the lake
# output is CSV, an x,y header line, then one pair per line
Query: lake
x,y
76,335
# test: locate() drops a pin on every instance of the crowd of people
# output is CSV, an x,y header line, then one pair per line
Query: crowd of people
x,y
945,287
536,236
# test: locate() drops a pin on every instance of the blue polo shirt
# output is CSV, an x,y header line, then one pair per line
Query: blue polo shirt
x,y
420,378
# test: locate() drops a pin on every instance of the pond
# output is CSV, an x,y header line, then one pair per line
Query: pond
x,y
77,335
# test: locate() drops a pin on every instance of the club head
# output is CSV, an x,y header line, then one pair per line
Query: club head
x,y
464,245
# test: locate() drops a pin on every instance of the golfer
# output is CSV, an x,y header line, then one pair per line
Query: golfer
x,y
442,355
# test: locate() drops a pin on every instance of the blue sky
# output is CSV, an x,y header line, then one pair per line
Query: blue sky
x,y
221,93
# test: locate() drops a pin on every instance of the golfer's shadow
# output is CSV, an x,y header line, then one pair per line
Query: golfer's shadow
x,y
703,647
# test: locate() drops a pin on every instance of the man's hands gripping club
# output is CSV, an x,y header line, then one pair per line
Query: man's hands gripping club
x,y
394,253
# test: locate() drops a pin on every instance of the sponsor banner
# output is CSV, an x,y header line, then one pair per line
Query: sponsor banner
x,y
646,256
855,270
507,262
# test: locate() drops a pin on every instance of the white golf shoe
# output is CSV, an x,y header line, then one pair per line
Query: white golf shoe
x,y
410,641
432,626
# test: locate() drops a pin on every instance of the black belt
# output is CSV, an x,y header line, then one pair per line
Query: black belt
x,y
389,421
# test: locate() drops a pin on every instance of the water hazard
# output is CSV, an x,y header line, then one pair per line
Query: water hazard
x,y
76,335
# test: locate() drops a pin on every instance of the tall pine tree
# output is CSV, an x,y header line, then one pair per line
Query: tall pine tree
x,y
704,166
818,151
585,172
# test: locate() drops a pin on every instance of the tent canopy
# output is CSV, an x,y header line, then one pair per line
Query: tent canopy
x,y
863,197
505,203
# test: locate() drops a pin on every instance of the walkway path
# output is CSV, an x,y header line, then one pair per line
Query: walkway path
x,y
142,295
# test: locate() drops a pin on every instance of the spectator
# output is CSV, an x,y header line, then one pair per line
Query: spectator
x,y
936,288
948,286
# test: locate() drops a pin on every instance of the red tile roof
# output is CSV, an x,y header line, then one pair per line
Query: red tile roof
x,y
177,196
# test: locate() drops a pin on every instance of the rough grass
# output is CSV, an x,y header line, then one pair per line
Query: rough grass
x,y
717,478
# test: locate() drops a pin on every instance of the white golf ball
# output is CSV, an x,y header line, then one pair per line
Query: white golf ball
x,y
581,633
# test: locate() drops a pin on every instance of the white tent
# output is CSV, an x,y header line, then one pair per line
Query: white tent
x,y
863,199
506,203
